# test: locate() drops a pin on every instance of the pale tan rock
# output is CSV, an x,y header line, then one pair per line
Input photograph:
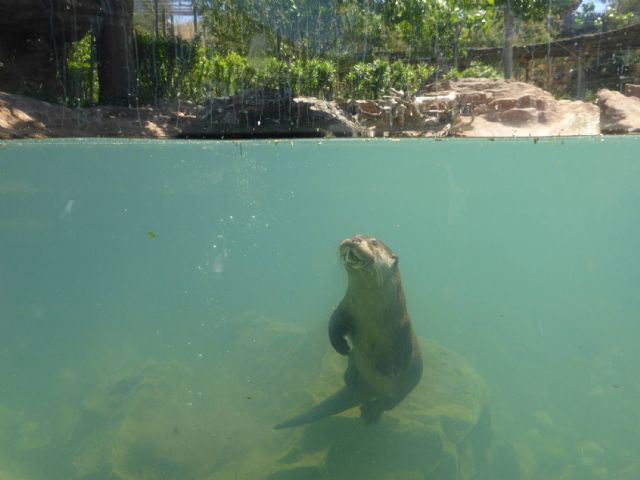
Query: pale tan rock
x,y
505,108
466,107
618,113
24,117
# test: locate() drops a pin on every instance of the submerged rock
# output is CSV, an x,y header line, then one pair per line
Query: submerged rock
x,y
215,421
441,430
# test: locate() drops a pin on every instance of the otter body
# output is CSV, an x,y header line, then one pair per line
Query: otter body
x,y
372,327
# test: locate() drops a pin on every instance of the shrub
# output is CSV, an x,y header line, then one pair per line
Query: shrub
x,y
171,67
81,88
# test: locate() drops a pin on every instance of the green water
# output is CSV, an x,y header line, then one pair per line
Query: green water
x,y
133,273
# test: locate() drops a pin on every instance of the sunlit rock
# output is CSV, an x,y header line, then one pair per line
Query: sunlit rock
x,y
466,107
503,108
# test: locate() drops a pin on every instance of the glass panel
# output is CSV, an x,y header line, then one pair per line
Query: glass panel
x,y
208,295
164,305
282,68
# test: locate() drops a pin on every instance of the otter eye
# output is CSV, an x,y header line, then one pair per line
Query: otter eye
x,y
374,242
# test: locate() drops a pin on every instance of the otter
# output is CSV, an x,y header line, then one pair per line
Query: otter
x,y
372,327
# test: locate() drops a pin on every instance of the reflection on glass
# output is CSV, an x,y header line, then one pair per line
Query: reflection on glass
x,y
273,68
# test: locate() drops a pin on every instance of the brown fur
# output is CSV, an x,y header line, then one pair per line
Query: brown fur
x,y
370,325
384,356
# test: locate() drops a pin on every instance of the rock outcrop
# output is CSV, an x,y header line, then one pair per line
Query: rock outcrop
x,y
465,108
618,113
271,113
503,108
24,117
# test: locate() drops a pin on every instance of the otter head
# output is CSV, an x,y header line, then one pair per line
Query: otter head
x,y
368,256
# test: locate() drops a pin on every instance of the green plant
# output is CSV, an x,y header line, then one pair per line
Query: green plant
x,y
318,78
81,86
479,70
475,70
164,65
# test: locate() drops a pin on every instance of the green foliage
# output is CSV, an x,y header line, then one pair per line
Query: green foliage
x,y
183,69
538,9
163,64
325,48
475,70
81,83
587,18
172,67
373,80
318,78
308,29
369,80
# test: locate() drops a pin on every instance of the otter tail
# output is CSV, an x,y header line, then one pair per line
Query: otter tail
x,y
344,399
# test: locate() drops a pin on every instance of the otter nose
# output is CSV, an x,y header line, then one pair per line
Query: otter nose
x,y
357,239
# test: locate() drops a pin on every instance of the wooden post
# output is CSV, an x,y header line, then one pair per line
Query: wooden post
x,y
549,61
155,19
154,61
164,21
580,72
92,53
508,41
116,62
195,18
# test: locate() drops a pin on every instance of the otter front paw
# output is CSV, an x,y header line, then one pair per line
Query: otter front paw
x,y
339,326
341,345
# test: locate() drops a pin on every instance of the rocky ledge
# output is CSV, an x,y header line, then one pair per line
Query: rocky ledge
x,y
466,107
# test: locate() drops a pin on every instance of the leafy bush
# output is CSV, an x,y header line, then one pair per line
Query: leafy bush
x,y
479,70
369,80
409,78
475,70
163,65
81,87
373,80
318,78
172,67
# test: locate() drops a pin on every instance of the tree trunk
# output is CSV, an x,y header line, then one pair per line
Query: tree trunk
x,y
456,44
195,18
116,60
508,41
580,63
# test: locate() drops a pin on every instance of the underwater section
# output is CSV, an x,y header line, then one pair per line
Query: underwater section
x,y
164,304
